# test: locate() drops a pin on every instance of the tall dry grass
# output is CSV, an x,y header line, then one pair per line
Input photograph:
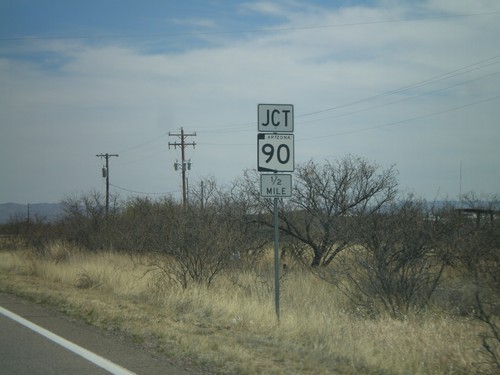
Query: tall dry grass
x,y
232,326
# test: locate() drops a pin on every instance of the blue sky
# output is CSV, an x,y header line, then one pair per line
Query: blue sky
x,y
404,83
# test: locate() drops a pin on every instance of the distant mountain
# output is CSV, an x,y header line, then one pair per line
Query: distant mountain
x,y
12,211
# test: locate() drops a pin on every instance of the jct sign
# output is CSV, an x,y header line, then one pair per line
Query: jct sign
x,y
275,152
276,118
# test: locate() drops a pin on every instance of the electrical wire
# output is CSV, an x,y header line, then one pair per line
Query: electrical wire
x,y
390,124
247,126
402,89
401,100
129,149
481,64
395,123
142,192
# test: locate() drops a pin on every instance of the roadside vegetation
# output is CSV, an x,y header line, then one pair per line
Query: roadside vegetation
x,y
372,281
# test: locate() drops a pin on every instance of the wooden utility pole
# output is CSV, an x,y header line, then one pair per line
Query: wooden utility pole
x,y
105,173
184,165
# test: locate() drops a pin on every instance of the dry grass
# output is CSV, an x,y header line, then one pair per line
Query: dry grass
x,y
232,326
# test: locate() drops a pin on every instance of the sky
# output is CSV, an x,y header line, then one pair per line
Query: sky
x,y
409,84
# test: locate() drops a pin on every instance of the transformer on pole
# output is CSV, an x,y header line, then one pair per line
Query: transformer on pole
x,y
105,174
184,165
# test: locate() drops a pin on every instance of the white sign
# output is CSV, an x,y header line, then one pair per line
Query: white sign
x,y
275,185
275,152
275,118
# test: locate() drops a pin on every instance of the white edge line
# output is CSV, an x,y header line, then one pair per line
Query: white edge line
x,y
88,355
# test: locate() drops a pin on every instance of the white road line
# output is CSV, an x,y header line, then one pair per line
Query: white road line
x,y
88,355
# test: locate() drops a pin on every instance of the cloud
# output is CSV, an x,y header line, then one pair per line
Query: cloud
x,y
385,67
205,23
266,8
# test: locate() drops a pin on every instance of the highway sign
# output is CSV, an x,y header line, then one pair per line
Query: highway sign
x,y
275,152
275,118
275,185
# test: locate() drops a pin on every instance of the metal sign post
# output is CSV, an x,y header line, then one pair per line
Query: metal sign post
x,y
276,261
275,153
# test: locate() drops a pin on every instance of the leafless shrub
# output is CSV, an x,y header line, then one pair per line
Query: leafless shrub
x,y
86,280
479,256
35,232
200,241
487,310
394,267
85,221
59,251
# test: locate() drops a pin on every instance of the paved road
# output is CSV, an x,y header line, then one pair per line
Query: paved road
x,y
24,351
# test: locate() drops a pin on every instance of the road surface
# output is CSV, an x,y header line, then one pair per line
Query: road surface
x,y
53,344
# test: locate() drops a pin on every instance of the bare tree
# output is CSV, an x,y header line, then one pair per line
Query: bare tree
x,y
205,192
325,198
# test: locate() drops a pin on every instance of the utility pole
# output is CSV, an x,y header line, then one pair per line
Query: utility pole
x,y
105,173
182,144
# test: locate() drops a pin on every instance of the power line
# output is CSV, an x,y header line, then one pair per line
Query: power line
x,y
242,127
450,74
142,192
394,123
427,81
401,100
405,120
130,148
